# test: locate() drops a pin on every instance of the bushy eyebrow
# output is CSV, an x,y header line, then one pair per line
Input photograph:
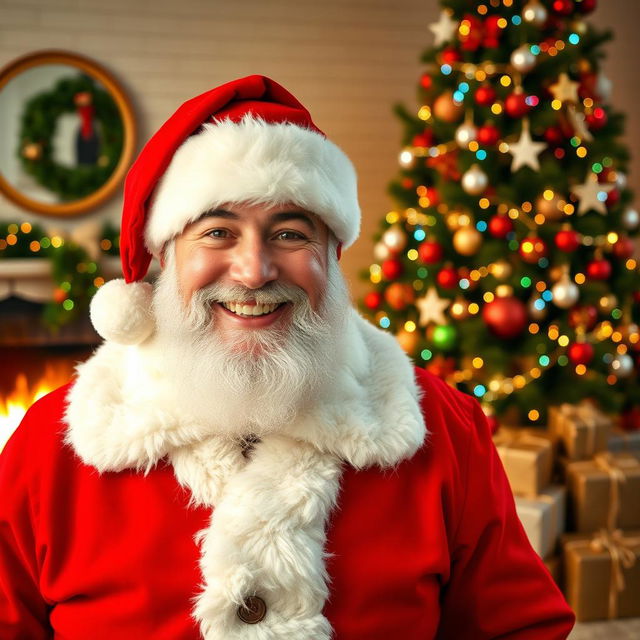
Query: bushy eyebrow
x,y
281,216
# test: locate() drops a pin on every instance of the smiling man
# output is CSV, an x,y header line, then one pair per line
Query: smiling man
x,y
245,457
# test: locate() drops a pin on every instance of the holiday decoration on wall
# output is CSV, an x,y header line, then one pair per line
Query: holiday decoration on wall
x,y
510,263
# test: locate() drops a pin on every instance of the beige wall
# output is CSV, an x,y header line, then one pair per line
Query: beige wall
x,y
348,60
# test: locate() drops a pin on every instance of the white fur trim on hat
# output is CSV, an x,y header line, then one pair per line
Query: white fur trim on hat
x,y
122,313
253,161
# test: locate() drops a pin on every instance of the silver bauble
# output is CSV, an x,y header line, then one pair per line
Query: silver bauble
x,y
465,134
522,59
534,13
565,293
474,180
622,365
630,218
537,310
381,252
395,238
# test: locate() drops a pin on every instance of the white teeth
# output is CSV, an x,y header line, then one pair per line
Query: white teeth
x,y
250,310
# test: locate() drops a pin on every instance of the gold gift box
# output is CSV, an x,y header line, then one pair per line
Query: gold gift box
x,y
543,518
527,457
602,575
582,429
605,492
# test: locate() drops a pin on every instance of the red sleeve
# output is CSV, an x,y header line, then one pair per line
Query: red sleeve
x,y
499,587
23,612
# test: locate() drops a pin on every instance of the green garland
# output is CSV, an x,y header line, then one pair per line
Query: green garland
x,y
39,121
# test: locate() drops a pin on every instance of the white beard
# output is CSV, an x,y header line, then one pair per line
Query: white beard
x,y
254,382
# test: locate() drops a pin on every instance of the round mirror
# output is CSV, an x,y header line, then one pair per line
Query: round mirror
x,y
68,133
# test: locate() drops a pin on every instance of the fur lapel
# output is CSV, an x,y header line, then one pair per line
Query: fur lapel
x,y
267,533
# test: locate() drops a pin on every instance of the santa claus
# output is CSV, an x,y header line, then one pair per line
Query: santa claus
x,y
245,457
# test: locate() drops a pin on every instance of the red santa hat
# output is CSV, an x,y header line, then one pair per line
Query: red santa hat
x,y
247,141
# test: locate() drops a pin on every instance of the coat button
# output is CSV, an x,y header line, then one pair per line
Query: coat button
x,y
253,610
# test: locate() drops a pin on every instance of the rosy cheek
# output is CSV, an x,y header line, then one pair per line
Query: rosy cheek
x,y
198,270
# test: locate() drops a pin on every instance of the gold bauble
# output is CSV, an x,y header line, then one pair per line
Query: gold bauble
x,y
467,240
445,108
408,340
459,310
550,209
607,303
501,270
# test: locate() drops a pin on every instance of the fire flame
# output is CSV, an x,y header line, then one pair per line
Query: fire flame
x,y
15,405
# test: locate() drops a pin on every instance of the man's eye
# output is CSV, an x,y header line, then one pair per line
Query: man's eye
x,y
218,233
290,235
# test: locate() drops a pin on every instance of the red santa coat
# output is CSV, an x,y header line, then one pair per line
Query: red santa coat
x,y
430,549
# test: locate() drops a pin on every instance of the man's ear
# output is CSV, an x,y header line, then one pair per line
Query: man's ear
x,y
339,250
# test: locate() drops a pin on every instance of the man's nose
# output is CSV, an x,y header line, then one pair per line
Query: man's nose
x,y
253,264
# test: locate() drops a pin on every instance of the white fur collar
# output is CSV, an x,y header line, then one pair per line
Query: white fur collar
x,y
266,535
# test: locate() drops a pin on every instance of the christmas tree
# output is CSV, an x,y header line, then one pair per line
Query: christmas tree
x,y
509,266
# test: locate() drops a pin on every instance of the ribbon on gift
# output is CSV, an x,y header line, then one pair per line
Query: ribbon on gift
x,y
616,468
567,415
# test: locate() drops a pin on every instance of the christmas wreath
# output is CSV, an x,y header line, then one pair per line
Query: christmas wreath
x,y
94,105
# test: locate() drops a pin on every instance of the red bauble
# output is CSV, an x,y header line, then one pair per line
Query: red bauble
x,y
485,95
630,419
623,248
487,135
506,317
447,278
59,295
599,269
373,299
398,295
580,353
450,55
391,269
563,7
424,139
500,226
596,119
587,6
585,315
613,197
433,196
492,31
430,252
532,249
554,136
471,40
515,105
426,81
567,240
407,183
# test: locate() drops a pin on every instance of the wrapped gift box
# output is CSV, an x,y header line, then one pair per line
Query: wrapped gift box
x,y
582,429
620,441
527,457
605,492
602,575
543,518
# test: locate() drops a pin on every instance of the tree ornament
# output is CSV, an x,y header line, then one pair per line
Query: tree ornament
x,y
432,308
620,180
426,81
607,303
408,340
501,270
373,300
432,195
599,269
471,38
467,240
623,248
534,13
630,219
525,152
381,251
537,308
430,252
450,56
532,248
488,135
578,123
622,365
395,238
565,292
563,7
447,278
592,195
580,353
485,95
492,31
445,336
444,29
549,205
424,139
597,119
391,269
587,6
554,136
446,108
567,239
398,295
459,310
474,180
506,317
465,134
523,59
565,89
59,295
585,316
500,226
515,104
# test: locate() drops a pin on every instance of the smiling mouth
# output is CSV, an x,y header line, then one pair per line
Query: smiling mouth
x,y
251,310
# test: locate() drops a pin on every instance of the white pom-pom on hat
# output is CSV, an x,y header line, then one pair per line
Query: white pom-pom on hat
x,y
122,313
